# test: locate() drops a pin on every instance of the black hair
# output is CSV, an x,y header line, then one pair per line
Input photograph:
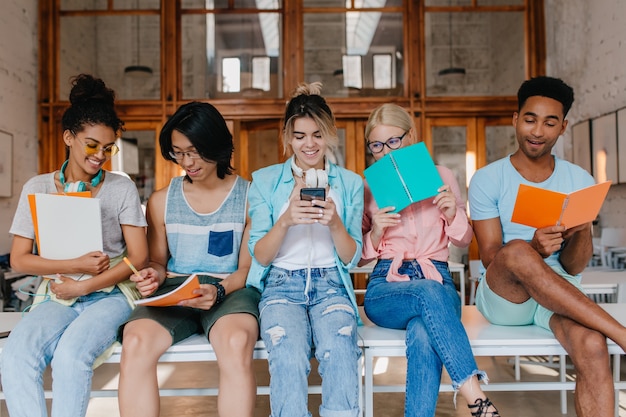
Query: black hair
x,y
544,86
91,103
207,131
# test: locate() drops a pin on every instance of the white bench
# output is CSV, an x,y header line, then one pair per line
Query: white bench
x,y
193,349
486,340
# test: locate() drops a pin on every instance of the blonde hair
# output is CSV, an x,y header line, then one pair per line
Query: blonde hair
x,y
389,114
306,101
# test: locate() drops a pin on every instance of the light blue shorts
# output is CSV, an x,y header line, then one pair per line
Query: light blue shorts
x,y
501,311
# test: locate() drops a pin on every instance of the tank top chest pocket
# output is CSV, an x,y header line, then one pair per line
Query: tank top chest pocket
x,y
221,243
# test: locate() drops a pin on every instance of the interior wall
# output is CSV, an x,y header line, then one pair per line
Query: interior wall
x,y
586,47
18,100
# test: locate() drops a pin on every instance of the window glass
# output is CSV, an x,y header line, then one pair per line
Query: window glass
x,y
238,4
500,141
204,4
122,50
231,75
474,54
383,76
328,37
261,73
352,76
448,2
258,4
136,158
479,2
500,2
84,5
348,3
137,4
449,150
208,39
117,4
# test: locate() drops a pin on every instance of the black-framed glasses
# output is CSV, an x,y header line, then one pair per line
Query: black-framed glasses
x,y
180,155
92,148
392,143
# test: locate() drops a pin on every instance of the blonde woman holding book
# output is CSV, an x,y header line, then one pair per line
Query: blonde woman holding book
x,y
411,286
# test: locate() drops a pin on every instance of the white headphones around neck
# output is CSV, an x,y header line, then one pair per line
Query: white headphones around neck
x,y
312,177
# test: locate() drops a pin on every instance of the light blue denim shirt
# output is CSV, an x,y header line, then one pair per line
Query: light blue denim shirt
x,y
272,186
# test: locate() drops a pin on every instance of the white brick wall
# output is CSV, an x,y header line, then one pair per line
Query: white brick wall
x,y
586,46
18,99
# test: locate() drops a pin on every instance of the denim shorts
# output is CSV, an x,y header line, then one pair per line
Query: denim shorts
x,y
499,310
182,322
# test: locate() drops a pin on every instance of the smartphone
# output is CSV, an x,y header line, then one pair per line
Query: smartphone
x,y
309,194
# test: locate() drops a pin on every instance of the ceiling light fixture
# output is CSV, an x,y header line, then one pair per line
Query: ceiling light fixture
x,y
451,70
137,70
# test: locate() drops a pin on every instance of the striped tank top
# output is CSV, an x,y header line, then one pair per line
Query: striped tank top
x,y
205,242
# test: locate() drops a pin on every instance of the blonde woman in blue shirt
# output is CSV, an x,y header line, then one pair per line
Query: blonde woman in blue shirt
x,y
302,253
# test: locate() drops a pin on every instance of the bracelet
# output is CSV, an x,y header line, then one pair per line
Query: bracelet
x,y
221,292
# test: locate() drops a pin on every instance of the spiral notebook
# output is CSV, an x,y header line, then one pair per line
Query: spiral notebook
x,y
403,177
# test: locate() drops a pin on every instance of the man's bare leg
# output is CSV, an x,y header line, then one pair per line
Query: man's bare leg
x,y
518,272
144,342
594,395
233,337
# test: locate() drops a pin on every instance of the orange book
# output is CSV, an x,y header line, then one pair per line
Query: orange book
x,y
538,207
183,292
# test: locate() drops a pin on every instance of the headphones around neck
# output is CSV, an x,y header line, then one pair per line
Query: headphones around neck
x,y
78,186
312,177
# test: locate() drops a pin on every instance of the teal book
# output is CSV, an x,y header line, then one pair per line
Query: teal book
x,y
402,177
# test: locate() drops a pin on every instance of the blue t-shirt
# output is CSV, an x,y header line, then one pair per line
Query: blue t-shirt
x,y
493,190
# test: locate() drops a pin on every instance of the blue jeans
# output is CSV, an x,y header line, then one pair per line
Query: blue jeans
x,y
430,312
68,338
297,313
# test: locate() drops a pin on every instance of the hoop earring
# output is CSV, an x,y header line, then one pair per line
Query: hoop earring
x,y
77,186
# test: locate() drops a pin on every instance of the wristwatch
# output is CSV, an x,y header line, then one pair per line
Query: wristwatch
x,y
221,292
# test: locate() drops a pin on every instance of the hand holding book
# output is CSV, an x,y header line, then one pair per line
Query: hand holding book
x,y
79,236
403,177
184,291
538,207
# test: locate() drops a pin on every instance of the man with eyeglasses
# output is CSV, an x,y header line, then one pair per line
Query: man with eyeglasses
x,y
198,224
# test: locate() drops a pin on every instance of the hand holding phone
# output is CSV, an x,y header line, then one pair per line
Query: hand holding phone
x,y
310,194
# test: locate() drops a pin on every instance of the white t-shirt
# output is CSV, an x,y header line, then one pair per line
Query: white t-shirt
x,y
307,245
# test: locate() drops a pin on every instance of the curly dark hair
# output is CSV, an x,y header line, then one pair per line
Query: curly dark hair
x,y
544,86
91,103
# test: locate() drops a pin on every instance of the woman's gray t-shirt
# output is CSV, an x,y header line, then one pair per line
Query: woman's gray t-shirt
x,y
119,205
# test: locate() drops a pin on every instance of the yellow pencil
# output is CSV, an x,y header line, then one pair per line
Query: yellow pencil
x,y
131,266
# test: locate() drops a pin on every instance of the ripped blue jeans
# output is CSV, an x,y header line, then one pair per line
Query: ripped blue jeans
x,y
430,312
300,311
